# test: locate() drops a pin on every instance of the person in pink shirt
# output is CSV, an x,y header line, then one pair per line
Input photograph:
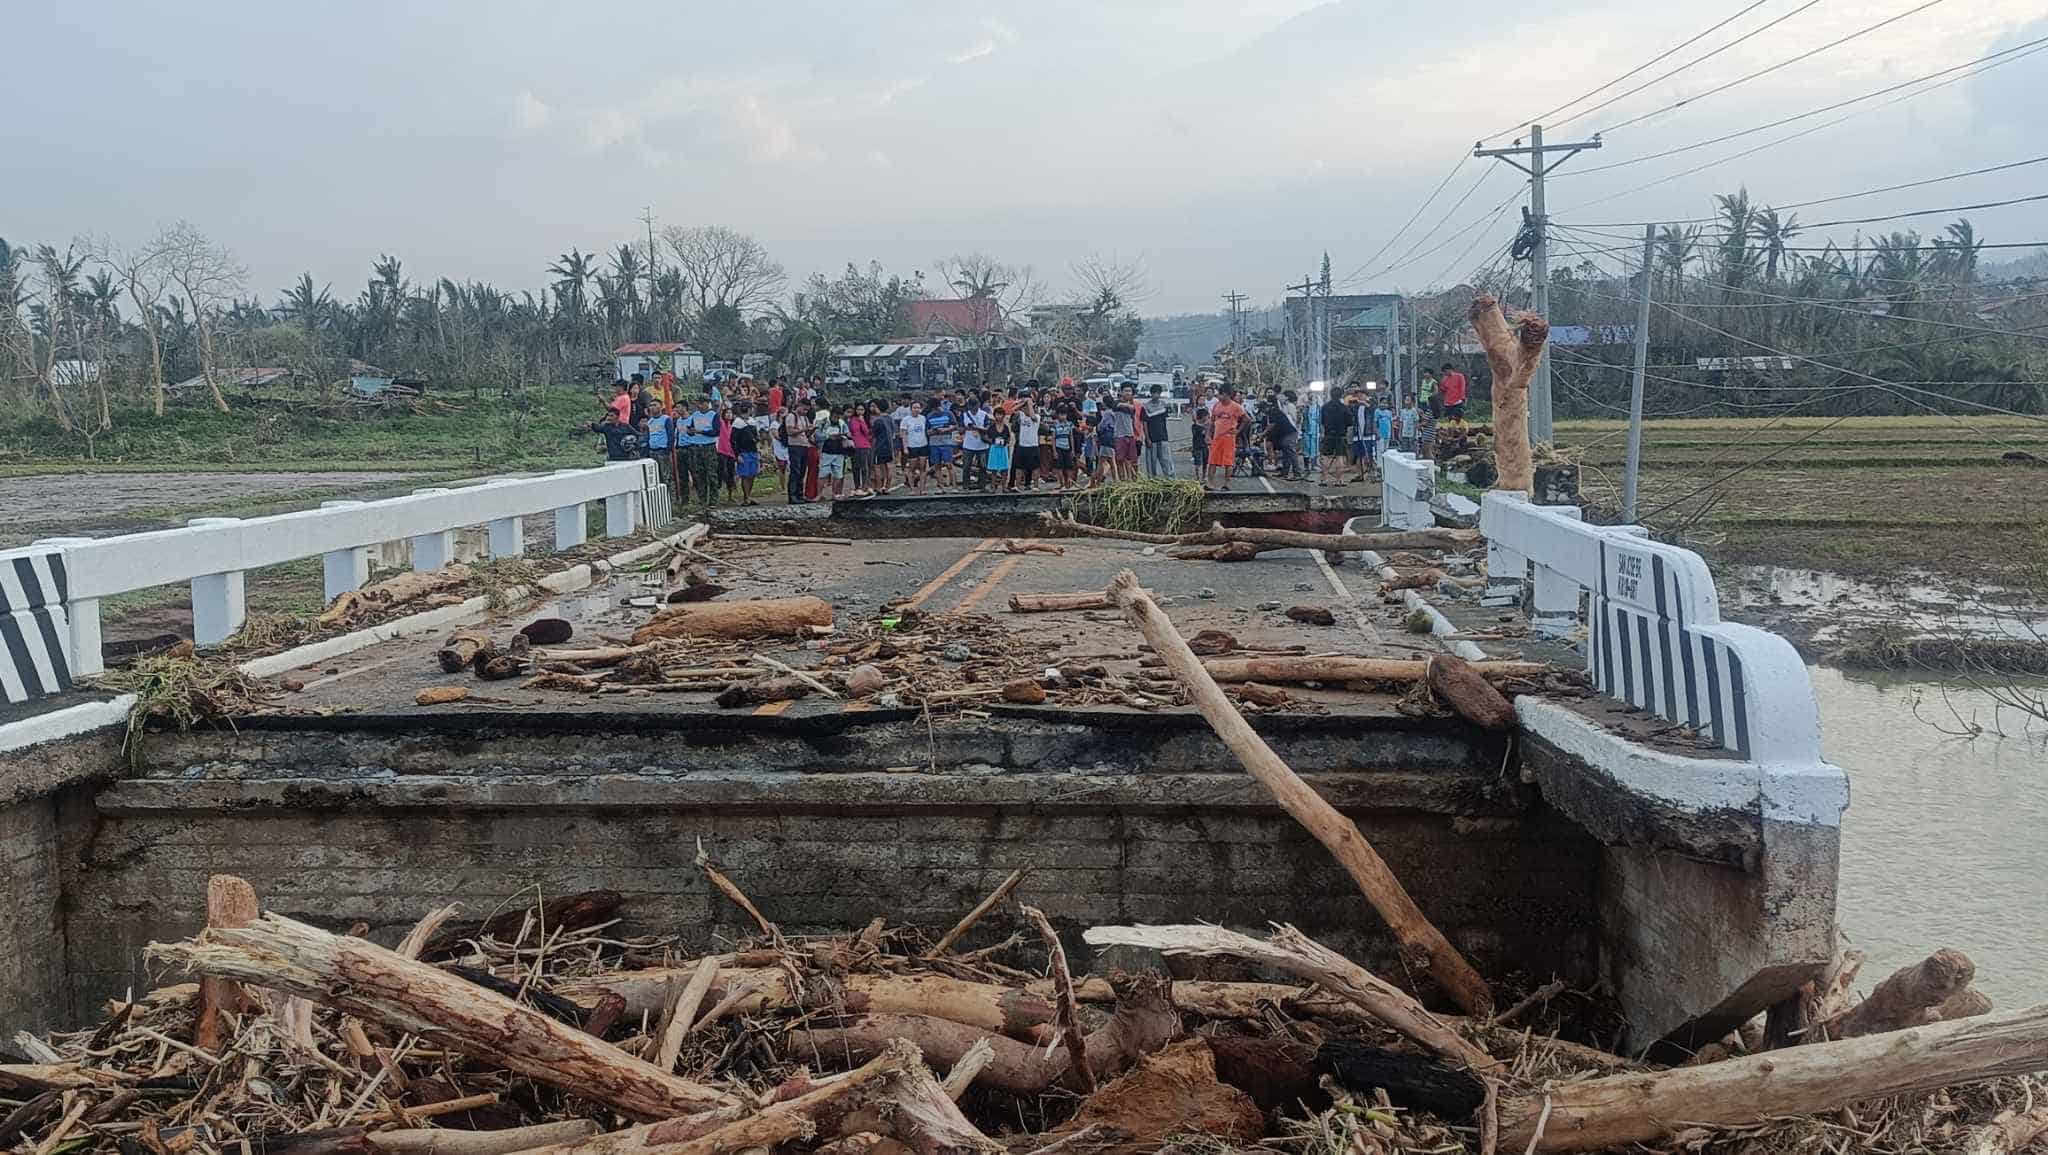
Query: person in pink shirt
x,y
862,437
726,458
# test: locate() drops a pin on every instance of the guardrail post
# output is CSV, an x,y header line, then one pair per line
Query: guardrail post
x,y
82,620
1555,605
343,570
432,551
1507,576
219,604
619,511
508,537
572,528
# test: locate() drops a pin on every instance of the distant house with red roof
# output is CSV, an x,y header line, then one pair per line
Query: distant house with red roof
x,y
649,358
954,316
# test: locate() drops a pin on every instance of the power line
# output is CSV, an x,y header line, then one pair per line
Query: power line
x,y
1360,273
1804,132
1420,209
1450,239
1699,60
2025,49
1767,70
1781,302
1820,200
1653,61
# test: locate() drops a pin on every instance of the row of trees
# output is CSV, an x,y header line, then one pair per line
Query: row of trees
x,y
99,327
1904,309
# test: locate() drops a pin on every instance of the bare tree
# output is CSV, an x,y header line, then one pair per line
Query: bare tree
x,y
1109,285
721,267
144,273
210,277
1009,291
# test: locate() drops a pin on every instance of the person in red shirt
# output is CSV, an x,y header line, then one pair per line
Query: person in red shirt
x,y
1224,420
622,403
775,396
1451,391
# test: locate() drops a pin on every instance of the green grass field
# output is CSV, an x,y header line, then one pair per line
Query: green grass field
x,y
1872,496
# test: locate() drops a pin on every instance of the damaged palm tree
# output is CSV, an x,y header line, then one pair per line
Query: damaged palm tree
x,y
1513,350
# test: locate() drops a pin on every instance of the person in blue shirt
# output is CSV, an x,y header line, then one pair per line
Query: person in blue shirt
x,y
700,452
940,431
661,434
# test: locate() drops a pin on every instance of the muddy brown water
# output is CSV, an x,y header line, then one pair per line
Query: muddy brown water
x,y
1946,839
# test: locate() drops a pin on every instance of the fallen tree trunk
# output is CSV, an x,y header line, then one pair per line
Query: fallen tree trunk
x,y
1287,668
1459,685
1618,1110
1910,995
449,1141
1053,603
395,591
1512,353
767,618
1144,1022
1297,954
985,1006
379,985
1338,834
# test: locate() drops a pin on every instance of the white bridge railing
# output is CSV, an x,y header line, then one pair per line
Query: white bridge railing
x,y
1654,635
1645,613
50,591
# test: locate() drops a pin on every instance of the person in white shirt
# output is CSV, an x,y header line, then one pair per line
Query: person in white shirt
x,y
917,450
974,444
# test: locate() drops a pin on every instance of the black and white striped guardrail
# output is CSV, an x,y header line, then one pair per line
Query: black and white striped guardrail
x,y
35,634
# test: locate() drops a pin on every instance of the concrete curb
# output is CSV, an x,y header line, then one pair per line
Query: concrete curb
x,y
1440,626
86,717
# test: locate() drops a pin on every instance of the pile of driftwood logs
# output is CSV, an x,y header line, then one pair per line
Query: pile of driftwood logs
x,y
547,1029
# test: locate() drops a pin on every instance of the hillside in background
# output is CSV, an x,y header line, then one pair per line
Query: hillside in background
x,y
2034,264
1193,338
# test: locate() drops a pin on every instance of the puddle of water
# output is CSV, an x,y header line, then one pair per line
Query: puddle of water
x,y
1917,602
1943,844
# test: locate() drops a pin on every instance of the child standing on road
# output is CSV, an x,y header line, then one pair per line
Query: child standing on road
x,y
916,446
999,440
746,455
1201,430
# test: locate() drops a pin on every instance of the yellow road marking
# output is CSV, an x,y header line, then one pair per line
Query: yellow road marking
x,y
952,571
988,586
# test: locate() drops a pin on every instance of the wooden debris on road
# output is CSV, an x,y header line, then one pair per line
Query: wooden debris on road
x,y
766,618
463,649
1338,834
377,597
1460,685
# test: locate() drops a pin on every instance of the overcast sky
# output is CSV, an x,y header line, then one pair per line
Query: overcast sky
x,y
1222,143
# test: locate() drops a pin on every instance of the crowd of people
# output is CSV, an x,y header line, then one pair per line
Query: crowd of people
x,y
716,444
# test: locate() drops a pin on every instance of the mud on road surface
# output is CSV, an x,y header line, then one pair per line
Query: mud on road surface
x,y
47,505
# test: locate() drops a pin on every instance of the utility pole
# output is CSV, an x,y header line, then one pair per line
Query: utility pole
x,y
1236,300
1539,257
1306,361
647,215
1414,355
1635,389
1393,353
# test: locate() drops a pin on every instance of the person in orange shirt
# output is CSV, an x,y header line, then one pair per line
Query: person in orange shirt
x,y
1224,421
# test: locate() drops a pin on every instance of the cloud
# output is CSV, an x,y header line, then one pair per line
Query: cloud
x,y
876,158
768,136
530,113
994,34
888,94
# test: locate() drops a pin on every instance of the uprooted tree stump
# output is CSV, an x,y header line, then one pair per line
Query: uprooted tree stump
x,y
1513,350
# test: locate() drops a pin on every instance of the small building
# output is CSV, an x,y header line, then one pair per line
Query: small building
x,y
650,358
919,363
